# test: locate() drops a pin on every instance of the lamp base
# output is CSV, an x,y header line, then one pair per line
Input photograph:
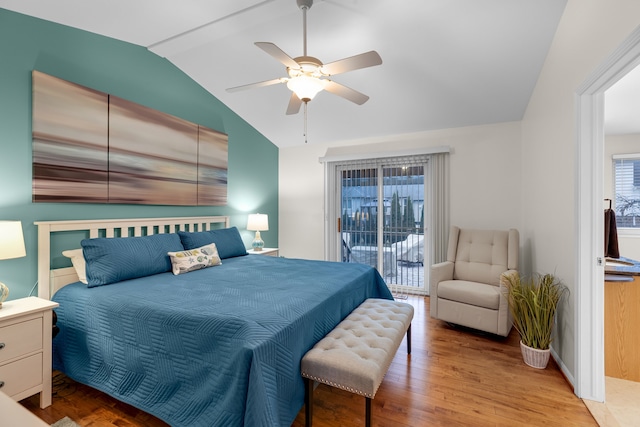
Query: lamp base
x,y
257,243
4,293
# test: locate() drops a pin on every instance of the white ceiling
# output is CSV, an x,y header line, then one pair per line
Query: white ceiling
x,y
446,63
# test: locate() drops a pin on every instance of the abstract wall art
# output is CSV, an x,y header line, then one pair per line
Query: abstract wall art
x,y
91,147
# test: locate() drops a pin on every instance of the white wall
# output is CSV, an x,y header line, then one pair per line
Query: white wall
x,y
588,32
301,202
484,181
628,243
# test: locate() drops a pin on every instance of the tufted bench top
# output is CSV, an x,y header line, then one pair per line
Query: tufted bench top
x,y
356,354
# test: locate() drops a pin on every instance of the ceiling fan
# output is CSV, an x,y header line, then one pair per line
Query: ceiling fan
x,y
308,75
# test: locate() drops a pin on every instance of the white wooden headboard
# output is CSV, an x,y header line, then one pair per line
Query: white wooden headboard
x,y
50,280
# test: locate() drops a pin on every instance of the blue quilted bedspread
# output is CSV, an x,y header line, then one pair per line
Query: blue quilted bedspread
x,y
214,347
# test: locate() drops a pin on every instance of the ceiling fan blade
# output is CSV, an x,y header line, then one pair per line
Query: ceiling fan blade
x,y
345,92
364,60
294,104
258,84
278,54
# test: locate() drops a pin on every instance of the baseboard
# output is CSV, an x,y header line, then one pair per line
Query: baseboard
x,y
563,368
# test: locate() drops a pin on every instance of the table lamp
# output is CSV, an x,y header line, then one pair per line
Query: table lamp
x,y
258,222
11,246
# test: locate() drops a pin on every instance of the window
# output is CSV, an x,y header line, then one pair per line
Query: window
x,y
627,190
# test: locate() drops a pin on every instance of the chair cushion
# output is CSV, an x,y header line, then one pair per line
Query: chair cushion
x,y
473,293
481,255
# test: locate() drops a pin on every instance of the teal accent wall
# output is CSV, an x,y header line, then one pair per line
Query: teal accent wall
x,y
133,73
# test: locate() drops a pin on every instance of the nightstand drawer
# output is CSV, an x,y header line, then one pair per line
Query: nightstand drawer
x,y
21,375
20,339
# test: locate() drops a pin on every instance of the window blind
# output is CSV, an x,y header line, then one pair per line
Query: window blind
x,y
627,191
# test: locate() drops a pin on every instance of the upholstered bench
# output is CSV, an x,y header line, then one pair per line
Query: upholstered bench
x,y
356,354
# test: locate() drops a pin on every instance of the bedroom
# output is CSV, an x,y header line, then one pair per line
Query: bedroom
x,y
543,141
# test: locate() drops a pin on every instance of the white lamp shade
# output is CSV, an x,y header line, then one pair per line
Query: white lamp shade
x,y
11,240
258,222
305,87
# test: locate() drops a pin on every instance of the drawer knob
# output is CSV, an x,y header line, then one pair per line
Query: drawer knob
x,y
1,345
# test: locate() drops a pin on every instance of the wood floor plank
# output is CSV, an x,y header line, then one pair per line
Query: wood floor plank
x,y
454,377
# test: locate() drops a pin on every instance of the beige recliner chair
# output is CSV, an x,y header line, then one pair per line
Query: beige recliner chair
x,y
466,288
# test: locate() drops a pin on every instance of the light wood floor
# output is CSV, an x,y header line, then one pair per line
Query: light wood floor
x,y
621,406
454,377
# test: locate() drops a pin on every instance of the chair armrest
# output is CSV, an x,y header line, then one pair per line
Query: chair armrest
x,y
438,273
503,309
503,288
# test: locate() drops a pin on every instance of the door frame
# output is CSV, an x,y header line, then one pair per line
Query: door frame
x,y
589,313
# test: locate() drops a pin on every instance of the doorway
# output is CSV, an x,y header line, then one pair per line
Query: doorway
x,y
589,375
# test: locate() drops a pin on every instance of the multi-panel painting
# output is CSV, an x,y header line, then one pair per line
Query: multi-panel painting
x,y
70,129
96,148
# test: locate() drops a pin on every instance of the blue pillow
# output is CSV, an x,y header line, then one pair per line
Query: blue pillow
x,y
227,240
111,260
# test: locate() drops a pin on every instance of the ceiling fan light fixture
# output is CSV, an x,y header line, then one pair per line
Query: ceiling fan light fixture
x,y
305,87
307,75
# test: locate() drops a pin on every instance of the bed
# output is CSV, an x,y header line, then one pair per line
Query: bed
x,y
208,347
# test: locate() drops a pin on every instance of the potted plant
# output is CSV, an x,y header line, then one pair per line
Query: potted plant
x,y
533,302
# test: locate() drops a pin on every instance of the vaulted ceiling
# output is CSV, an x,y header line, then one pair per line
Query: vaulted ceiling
x,y
446,63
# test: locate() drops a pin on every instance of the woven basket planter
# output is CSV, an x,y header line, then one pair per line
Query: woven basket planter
x,y
533,357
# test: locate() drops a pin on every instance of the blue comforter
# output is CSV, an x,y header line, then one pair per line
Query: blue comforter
x,y
213,347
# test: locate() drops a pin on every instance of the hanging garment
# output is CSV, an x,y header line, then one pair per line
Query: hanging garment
x,y
610,234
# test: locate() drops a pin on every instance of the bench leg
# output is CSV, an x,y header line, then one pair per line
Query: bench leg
x,y
308,402
367,420
409,339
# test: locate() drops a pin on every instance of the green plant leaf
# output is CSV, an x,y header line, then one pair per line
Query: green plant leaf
x,y
533,303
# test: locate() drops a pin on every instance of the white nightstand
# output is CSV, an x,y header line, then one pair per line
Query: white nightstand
x,y
264,251
25,348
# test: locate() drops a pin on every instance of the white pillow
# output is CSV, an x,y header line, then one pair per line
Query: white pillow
x,y
77,259
194,259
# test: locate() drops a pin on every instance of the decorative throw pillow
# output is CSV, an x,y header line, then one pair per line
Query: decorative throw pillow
x,y
77,259
227,240
194,259
111,260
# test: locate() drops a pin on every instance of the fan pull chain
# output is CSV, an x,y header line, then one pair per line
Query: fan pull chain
x,y
305,122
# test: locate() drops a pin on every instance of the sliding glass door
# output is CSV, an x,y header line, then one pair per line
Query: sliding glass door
x,y
381,205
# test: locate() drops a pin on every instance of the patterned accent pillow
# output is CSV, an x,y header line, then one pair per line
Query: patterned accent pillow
x,y
194,259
